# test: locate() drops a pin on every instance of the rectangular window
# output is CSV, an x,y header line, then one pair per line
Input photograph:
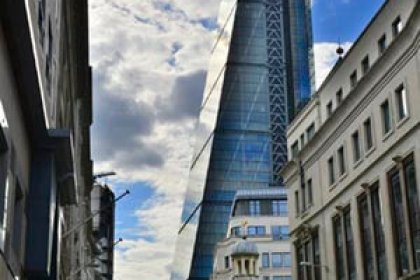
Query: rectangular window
x,y
329,109
297,203
339,96
310,194
401,98
295,149
227,264
367,126
413,208
397,27
382,44
254,208
316,256
303,192
353,79
235,231
348,235
339,248
331,170
365,231
280,232
379,235
357,153
276,260
256,230
341,161
266,277
265,260
400,238
310,131
386,117
279,207
365,65
302,140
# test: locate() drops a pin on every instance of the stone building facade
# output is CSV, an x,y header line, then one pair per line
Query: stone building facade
x,y
354,166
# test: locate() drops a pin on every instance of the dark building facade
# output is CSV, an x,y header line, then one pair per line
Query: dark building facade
x,y
260,73
103,207
46,170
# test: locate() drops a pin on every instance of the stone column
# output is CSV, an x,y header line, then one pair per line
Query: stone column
x,y
243,266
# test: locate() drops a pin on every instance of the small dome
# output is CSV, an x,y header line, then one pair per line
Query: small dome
x,y
244,248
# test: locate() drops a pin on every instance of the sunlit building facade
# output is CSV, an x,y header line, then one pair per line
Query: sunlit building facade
x,y
260,71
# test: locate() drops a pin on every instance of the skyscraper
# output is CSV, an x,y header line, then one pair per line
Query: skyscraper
x,y
260,71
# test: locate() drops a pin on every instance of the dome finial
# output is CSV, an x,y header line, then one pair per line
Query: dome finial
x,y
340,50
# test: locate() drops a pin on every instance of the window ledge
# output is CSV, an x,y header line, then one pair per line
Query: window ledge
x,y
370,151
332,187
387,135
358,162
342,177
402,121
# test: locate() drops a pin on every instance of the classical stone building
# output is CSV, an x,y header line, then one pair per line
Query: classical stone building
x,y
354,167
46,171
257,243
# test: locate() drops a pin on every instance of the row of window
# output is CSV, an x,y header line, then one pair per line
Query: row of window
x,y
277,232
277,260
263,207
405,228
368,135
310,132
397,27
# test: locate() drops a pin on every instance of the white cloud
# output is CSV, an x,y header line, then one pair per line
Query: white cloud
x,y
149,59
325,59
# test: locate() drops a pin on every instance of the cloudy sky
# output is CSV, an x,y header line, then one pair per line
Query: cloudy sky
x,y
149,59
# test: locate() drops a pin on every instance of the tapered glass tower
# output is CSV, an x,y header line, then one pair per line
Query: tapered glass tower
x,y
260,71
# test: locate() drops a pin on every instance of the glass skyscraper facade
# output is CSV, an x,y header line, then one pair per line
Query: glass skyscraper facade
x,y
260,71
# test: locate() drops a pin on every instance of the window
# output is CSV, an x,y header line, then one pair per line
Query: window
x,y
353,79
372,234
307,250
297,205
282,277
310,131
367,126
357,153
386,117
366,239
365,65
401,98
266,277
302,140
281,260
303,192
400,238
382,44
227,263
331,169
235,231
379,235
265,260
329,109
348,236
295,149
341,161
413,208
256,230
254,208
397,27
339,96
279,207
310,194
280,232
339,248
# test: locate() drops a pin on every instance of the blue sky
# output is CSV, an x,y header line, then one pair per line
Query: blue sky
x,y
149,59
